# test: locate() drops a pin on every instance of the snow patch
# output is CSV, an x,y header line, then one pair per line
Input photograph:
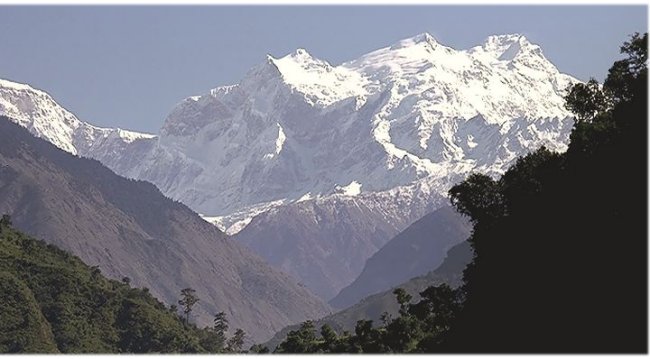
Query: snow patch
x,y
233,223
306,197
352,189
130,136
279,142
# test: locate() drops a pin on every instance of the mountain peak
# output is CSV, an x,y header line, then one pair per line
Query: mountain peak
x,y
298,55
508,46
502,42
301,53
423,38
15,85
505,38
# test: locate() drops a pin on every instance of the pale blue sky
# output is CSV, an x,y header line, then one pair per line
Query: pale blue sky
x,y
128,66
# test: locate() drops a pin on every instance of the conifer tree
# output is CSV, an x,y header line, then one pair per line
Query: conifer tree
x,y
187,301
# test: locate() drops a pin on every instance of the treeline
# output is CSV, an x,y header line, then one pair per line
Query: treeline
x,y
560,245
51,302
416,327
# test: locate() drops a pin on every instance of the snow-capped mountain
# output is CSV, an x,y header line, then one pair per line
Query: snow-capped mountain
x,y
393,129
43,117
298,127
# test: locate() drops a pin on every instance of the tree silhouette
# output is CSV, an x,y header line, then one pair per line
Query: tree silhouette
x,y
587,100
220,328
5,221
187,301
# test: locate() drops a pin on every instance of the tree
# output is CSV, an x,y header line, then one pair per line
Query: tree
x,y
259,349
637,51
187,301
587,100
302,340
622,74
436,312
403,299
95,271
330,339
236,342
401,334
5,221
220,328
51,301
479,198
213,339
368,339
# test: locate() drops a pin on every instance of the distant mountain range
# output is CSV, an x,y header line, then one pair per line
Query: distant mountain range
x,y
129,229
317,166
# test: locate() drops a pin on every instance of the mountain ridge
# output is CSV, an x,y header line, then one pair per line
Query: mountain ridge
x,y
128,228
420,248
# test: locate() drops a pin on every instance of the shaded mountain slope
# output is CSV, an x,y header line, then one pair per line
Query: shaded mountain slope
x,y
128,228
418,249
325,243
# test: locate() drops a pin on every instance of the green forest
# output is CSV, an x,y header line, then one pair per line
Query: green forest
x,y
51,302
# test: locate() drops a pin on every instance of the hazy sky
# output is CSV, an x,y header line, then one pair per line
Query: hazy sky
x,y
128,66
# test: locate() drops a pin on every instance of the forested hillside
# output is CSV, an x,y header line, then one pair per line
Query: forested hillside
x,y
50,302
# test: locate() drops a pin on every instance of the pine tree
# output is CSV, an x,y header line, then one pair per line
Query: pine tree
x,y
187,301
220,328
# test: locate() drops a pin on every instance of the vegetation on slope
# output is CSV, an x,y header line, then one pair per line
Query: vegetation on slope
x,y
50,301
